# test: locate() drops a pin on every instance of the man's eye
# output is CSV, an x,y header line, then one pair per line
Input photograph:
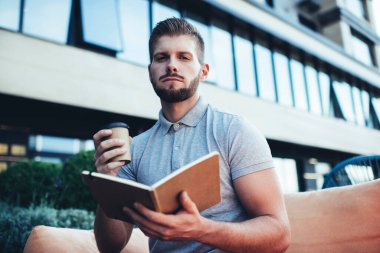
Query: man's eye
x,y
183,57
160,58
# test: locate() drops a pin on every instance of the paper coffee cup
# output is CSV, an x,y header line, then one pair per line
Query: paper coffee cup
x,y
120,130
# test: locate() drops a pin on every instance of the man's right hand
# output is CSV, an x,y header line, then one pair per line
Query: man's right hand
x,y
105,150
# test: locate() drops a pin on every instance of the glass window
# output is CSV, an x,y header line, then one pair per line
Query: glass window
x,y
376,18
300,96
313,90
286,170
343,93
47,19
284,89
244,66
366,106
89,145
48,159
3,149
376,106
324,81
10,14
135,41
204,30
162,12
57,144
359,112
101,23
265,72
361,50
19,150
222,55
3,166
321,169
356,7
314,174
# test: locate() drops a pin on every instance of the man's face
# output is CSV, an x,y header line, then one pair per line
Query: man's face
x,y
175,70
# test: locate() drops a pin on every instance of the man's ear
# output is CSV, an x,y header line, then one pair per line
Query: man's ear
x,y
150,75
204,71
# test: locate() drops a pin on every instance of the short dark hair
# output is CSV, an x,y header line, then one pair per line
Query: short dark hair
x,y
175,27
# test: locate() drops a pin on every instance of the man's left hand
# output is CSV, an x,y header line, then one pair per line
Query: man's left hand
x,y
186,224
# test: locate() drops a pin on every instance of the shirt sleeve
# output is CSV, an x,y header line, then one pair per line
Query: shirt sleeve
x,y
248,149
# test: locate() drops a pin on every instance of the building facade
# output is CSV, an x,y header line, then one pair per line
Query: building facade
x,y
305,72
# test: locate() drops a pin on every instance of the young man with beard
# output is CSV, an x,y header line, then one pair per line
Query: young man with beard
x,y
251,216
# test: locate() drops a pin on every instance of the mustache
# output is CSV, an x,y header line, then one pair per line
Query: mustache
x,y
170,75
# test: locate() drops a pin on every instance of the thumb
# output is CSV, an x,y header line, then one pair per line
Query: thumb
x,y
187,203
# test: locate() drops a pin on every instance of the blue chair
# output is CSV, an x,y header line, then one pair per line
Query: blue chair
x,y
355,170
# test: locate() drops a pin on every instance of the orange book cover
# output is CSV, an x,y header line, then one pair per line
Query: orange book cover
x,y
200,179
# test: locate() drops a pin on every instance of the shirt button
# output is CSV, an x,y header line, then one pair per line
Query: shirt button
x,y
176,126
176,147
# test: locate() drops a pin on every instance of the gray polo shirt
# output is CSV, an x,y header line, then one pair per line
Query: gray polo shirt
x,y
167,146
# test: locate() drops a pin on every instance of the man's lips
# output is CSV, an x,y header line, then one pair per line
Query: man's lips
x,y
172,79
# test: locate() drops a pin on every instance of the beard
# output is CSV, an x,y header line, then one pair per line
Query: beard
x,y
176,95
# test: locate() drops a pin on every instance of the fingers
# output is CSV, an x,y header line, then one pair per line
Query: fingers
x,y
111,168
106,150
187,203
100,135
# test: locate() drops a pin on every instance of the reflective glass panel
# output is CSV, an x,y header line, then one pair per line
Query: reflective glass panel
x,y
366,106
313,90
18,150
376,106
47,19
356,7
222,55
204,30
162,12
286,170
375,4
359,112
324,81
135,41
361,50
265,72
245,66
283,79
101,23
3,149
300,95
321,169
57,144
3,166
343,93
10,14
48,159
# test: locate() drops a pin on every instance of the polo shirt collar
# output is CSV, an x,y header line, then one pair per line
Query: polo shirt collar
x,y
191,118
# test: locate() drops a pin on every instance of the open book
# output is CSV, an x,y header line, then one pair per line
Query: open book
x,y
200,179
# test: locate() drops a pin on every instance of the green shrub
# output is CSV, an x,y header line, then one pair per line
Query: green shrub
x,y
25,183
74,192
54,185
16,223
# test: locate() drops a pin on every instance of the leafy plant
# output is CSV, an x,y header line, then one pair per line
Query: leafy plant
x,y
25,183
74,191
16,223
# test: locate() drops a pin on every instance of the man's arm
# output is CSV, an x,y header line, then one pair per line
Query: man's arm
x,y
111,235
267,231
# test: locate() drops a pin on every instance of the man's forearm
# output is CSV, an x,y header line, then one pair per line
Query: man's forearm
x,y
262,234
111,235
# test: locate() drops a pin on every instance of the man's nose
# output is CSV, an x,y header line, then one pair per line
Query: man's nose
x,y
172,66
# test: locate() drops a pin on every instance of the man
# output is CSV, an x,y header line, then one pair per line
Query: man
x,y
251,216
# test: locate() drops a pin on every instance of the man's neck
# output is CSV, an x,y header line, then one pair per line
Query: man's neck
x,y
173,112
